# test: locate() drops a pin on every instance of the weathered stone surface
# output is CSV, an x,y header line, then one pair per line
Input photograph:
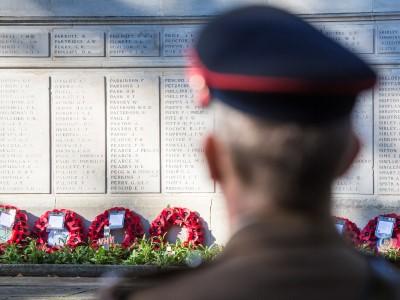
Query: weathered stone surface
x,y
79,133
361,209
25,134
44,270
386,5
359,179
323,7
24,42
79,42
107,129
179,8
185,124
220,227
357,37
133,41
77,288
57,287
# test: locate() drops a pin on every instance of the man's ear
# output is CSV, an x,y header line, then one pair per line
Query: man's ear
x,y
211,152
350,155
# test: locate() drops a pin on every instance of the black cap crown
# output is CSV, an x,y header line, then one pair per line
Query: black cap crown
x,y
270,63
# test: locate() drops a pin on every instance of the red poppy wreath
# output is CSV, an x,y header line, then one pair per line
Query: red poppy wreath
x,y
348,230
181,217
367,235
18,222
72,230
132,226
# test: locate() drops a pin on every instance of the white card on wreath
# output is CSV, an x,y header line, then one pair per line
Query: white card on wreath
x,y
339,224
116,219
339,228
385,227
56,221
7,219
57,237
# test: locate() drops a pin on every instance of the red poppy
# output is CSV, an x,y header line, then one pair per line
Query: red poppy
x,y
350,231
181,217
20,230
72,223
367,236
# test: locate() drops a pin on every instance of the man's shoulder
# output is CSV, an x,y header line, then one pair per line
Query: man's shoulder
x,y
384,280
131,284
199,283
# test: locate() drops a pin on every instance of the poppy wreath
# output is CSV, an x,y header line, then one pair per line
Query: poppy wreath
x,y
20,230
181,217
132,227
72,223
367,235
351,232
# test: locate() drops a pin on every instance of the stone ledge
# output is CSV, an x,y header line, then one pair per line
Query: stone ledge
x,y
71,270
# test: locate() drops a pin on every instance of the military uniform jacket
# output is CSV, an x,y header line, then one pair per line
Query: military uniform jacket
x,y
275,259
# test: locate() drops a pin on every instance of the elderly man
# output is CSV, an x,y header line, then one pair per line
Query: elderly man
x,y
283,95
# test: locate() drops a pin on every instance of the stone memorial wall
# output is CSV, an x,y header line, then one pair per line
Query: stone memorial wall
x,y
96,112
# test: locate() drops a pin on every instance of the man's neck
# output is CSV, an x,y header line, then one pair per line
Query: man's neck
x,y
247,214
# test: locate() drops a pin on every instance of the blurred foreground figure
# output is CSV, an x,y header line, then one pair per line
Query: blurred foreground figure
x,y
283,94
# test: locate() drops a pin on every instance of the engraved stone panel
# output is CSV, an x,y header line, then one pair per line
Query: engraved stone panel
x,y
359,179
357,37
24,134
184,125
24,43
387,132
388,38
117,8
78,103
107,8
134,42
177,40
114,136
133,133
202,8
77,42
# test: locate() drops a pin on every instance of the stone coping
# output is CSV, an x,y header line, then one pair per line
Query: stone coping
x,y
80,270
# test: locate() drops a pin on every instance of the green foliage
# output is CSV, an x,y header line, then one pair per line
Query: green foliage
x,y
11,255
167,254
391,254
62,256
171,254
143,252
33,254
160,254
208,253
113,256
82,254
